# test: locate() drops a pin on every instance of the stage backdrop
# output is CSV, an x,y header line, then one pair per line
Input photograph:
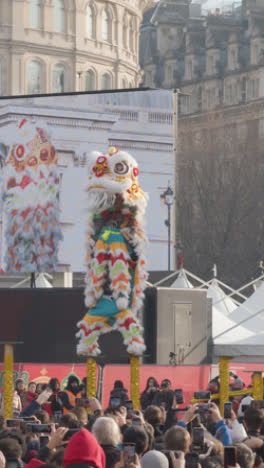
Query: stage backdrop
x,y
44,148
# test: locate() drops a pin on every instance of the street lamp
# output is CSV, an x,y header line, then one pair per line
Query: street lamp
x,y
167,198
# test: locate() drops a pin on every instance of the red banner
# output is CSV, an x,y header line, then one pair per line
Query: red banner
x,y
189,378
42,373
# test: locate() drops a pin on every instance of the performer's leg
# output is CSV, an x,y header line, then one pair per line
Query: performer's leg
x,y
91,327
129,327
97,275
119,273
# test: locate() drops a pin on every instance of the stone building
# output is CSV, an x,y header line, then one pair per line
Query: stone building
x,y
217,63
217,59
69,45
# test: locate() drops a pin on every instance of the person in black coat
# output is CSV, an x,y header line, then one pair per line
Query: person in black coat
x,y
119,392
146,398
165,396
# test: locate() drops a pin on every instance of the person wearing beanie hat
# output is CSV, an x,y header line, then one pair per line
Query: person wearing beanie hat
x,y
154,459
71,392
83,451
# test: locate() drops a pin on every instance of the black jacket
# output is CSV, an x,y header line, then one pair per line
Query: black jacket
x,y
121,393
112,455
164,397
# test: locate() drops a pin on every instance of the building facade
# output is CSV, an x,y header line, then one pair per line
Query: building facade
x,y
217,63
217,60
55,46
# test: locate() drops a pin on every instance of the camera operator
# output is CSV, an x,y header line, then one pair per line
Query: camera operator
x,y
165,396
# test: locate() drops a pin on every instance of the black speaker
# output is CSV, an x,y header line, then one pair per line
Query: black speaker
x,y
150,325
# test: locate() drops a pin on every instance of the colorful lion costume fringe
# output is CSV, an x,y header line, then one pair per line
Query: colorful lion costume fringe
x,y
116,275
30,198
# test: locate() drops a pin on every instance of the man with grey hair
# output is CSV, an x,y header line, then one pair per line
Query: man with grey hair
x,y
107,433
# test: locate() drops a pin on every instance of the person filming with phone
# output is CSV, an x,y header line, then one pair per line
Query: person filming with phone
x,y
165,396
147,396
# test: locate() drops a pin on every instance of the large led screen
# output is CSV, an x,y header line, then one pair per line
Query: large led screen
x,y
45,145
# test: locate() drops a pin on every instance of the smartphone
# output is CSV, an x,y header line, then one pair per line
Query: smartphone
x,y
202,395
179,396
29,419
81,401
13,422
115,402
198,437
230,456
57,416
203,408
136,421
258,404
70,433
191,460
129,405
227,410
43,441
129,451
37,428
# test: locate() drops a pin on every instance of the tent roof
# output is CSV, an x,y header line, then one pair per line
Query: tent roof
x,y
42,282
253,305
182,281
220,323
220,300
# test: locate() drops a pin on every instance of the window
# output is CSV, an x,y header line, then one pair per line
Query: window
x,y
59,16
124,83
232,59
189,71
210,98
90,29
106,26
231,94
255,54
131,37
253,89
58,79
125,36
210,65
89,80
35,14
106,81
34,70
187,104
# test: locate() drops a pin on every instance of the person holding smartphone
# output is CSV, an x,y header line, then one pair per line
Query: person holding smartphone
x,y
147,396
119,392
222,431
165,397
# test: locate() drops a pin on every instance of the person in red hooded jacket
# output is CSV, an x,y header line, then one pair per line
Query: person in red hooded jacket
x,y
83,451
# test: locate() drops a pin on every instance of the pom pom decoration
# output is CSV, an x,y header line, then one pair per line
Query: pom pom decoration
x,y
116,266
30,200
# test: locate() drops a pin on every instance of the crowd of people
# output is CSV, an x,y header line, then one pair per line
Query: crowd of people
x,y
62,428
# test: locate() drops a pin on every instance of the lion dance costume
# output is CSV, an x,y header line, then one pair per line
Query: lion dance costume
x,y
30,199
116,275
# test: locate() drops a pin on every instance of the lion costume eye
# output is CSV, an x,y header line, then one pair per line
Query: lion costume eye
x,y
121,168
20,152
